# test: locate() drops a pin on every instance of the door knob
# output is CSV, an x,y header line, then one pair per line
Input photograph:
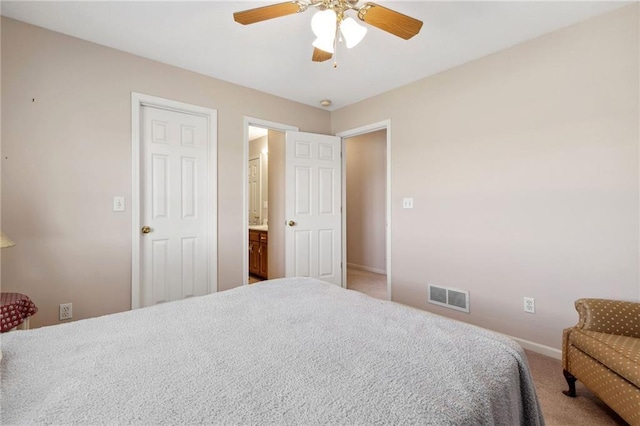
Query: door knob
x,y
146,229
291,223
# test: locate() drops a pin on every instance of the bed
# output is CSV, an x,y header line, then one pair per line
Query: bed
x,y
290,351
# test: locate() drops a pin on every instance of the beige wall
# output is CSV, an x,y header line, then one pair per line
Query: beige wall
x,y
66,151
1,158
523,166
366,181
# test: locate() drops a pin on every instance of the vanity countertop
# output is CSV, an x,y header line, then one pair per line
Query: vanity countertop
x,y
259,228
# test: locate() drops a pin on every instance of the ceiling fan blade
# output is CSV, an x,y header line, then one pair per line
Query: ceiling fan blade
x,y
389,20
320,55
252,16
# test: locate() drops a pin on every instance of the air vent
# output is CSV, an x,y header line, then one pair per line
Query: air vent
x,y
449,298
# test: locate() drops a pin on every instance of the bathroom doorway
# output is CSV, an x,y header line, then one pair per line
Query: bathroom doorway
x,y
264,200
258,203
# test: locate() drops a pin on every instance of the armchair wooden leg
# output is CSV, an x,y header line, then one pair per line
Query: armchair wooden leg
x,y
571,381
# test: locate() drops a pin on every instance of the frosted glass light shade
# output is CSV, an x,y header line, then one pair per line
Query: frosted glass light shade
x,y
324,24
325,44
352,31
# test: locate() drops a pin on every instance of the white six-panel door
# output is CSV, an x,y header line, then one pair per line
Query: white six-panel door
x,y
174,175
313,236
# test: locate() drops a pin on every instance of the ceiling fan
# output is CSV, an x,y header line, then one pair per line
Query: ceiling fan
x,y
329,24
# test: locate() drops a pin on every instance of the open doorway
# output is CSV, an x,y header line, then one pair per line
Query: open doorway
x,y
366,214
365,158
275,223
264,200
258,203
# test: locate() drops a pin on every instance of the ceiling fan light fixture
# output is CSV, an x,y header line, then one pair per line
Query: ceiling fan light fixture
x,y
352,31
331,26
325,44
323,24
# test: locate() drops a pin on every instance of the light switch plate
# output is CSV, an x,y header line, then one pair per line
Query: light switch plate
x,y
407,203
118,204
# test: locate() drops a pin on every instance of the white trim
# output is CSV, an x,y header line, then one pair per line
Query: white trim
x,y
381,125
366,268
254,122
211,115
537,347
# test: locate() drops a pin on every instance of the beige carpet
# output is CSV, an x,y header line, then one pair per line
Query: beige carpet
x,y
560,410
374,285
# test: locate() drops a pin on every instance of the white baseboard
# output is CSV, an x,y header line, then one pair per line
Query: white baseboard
x,y
366,268
538,348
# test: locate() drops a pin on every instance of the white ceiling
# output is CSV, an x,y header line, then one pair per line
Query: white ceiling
x,y
275,56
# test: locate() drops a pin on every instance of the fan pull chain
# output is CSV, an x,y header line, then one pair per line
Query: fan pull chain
x,y
336,39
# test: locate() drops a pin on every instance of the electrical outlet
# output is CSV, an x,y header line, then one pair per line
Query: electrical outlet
x,y
530,305
66,311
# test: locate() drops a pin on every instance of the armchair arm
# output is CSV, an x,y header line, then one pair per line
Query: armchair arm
x,y
609,316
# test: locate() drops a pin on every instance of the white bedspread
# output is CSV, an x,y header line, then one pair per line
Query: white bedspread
x,y
296,351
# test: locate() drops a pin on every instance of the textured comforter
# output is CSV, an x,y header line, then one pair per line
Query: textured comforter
x,y
292,351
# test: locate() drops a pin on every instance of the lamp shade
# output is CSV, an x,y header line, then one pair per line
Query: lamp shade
x,y
323,25
5,241
352,31
324,44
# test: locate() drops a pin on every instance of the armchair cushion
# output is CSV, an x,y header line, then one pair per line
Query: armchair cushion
x,y
619,353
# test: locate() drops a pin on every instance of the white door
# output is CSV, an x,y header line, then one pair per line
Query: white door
x,y
174,248
313,236
254,192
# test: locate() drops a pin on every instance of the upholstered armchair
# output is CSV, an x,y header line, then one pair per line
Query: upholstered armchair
x,y
603,352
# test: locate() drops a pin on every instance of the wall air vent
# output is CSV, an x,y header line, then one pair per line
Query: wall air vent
x,y
449,298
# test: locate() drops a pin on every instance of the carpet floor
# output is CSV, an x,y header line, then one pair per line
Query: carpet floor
x,y
366,282
559,410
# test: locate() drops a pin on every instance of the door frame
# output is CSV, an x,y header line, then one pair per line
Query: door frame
x,y
138,100
381,125
254,122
